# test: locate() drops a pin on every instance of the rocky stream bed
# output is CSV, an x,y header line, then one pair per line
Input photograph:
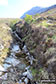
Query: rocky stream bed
x,y
14,69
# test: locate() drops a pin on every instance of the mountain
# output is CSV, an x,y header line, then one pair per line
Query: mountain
x,y
37,9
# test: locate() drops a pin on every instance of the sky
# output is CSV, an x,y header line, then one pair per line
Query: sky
x,y
16,8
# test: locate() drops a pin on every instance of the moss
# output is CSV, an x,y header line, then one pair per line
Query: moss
x,y
54,38
34,71
31,51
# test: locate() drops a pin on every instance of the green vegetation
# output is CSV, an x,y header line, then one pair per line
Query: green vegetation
x,y
33,20
12,23
49,12
28,18
37,14
34,71
44,23
53,39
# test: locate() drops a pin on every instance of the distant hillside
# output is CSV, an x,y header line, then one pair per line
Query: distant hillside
x,y
8,20
50,13
36,10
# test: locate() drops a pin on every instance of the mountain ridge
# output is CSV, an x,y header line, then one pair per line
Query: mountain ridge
x,y
37,9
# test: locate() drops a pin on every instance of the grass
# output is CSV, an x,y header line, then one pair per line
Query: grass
x,y
44,23
34,71
5,38
9,21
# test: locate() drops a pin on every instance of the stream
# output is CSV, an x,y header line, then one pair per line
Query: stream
x,y
14,68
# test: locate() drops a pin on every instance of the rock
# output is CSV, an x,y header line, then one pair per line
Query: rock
x,y
1,81
1,47
15,48
21,66
27,68
11,62
1,70
25,49
8,82
4,77
20,81
49,21
26,80
28,74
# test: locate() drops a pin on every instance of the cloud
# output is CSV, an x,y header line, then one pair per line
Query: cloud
x,y
3,2
44,3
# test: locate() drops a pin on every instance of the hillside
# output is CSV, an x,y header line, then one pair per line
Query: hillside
x,y
50,13
40,38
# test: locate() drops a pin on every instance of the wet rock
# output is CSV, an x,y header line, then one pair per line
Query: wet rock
x,y
21,66
11,61
4,77
20,81
26,80
15,48
28,74
25,49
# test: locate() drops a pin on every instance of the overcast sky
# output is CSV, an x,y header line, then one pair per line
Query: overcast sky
x,y
15,8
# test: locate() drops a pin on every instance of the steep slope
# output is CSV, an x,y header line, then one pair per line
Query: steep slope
x,y
40,39
5,41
